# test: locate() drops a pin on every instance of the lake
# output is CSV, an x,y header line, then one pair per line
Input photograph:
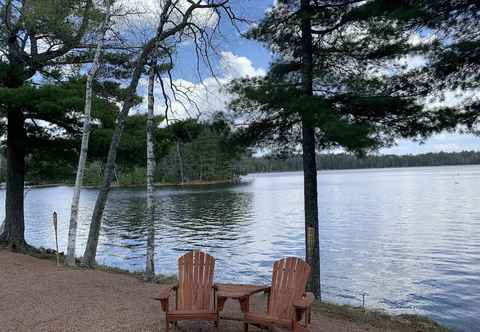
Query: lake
x,y
409,238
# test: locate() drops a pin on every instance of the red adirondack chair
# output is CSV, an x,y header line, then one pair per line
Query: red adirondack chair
x,y
288,302
194,293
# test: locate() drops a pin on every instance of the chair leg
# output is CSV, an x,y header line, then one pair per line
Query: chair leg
x,y
167,325
245,327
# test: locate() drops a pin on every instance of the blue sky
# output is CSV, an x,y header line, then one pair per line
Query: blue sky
x,y
247,57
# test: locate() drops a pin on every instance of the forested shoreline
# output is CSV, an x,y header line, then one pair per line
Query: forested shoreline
x,y
188,151
267,164
205,161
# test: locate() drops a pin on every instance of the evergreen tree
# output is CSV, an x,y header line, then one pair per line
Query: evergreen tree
x,y
456,66
34,37
335,82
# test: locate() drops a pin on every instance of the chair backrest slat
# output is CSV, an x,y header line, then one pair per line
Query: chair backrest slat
x,y
195,281
289,279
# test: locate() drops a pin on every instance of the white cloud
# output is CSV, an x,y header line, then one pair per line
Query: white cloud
x,y
209,95
417,39
238,66
411,62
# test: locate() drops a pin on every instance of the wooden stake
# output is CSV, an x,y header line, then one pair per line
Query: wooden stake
x,y
56,235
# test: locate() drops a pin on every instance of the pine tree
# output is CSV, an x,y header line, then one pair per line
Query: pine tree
x,y
335,82
34,37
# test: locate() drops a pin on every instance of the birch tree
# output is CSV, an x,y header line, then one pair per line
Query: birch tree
x,y
151,164
176,19
72,231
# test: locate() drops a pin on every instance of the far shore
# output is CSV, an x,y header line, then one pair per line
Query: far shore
x,y
57,298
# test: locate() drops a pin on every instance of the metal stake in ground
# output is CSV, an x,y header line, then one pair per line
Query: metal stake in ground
x,y
56,235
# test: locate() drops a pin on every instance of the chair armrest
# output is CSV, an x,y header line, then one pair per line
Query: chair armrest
x,y
164,295
165,291
304,302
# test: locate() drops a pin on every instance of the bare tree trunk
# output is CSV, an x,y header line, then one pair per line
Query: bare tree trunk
x,y
150,265
92,242
72,232
180,163
309,155
2,225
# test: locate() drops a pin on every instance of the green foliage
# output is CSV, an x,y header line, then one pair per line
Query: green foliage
x,y
54,106
53,115
93,173
362,101
206,150
184,131
132,149
134,176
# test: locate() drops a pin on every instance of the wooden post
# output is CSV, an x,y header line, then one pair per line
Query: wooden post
x,y
55,223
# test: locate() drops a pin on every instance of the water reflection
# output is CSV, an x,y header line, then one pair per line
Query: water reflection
x,y
409,238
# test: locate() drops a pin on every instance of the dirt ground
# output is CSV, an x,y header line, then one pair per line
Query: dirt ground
x,y
36,295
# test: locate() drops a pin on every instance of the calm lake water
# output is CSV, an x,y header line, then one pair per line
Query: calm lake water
x,y
408,238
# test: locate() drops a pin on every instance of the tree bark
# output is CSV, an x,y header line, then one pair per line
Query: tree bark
x,y
95,224
150,263
180,162
14,225
72,232
309,158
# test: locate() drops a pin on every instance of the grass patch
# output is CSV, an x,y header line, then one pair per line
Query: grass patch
x,y
159,278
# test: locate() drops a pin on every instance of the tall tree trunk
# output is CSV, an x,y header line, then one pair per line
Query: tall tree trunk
x,y
150,265
72,232
13,228
14,225
96,222
309,158
180,162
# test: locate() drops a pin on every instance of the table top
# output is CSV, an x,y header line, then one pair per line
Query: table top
x,y
236,291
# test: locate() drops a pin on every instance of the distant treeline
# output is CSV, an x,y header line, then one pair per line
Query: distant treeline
x,y
347,161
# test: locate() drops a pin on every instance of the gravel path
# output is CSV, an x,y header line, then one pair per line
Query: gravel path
x,y
36,295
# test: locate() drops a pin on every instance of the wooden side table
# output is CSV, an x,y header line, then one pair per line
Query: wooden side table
x,y
238,292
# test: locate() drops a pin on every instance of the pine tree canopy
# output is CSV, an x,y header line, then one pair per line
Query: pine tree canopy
x,y
365,93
